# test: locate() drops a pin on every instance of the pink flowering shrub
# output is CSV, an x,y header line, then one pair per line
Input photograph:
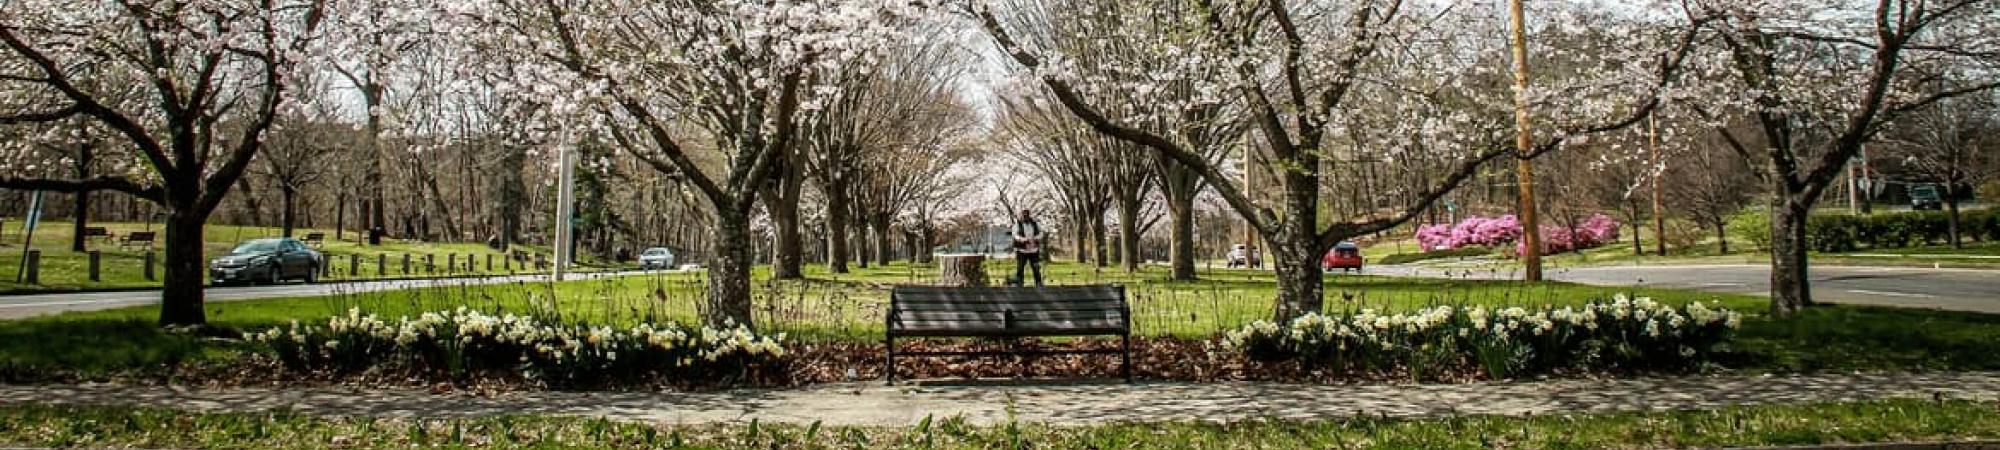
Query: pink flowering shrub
x,y
1595,231
1473,231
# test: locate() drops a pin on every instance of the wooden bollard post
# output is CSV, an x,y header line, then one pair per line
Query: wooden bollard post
x,y
354,264
149,267
96,259
489,262
406,263
33,272
451,262
429,263
381,264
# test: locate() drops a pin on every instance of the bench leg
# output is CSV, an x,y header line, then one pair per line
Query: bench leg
x,y
889,365
1127,364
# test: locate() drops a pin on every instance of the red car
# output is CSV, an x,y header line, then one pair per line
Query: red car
x,y
1344,256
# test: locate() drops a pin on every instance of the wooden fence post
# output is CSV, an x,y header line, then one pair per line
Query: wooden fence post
x,y
96,258
149,266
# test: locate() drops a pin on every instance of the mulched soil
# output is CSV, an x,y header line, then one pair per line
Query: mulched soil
x,y
810,363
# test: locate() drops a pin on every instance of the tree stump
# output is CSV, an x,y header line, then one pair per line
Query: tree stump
x,y
964,270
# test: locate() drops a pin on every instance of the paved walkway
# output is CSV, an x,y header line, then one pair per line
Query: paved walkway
x,y
1076,403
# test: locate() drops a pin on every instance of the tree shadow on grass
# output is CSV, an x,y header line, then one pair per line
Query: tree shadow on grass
x,y
1842,338
42,349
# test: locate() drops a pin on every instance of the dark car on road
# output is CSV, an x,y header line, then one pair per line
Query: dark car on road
x,y
272,261
1925,196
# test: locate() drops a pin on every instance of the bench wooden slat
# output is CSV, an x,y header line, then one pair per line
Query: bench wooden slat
x,y
999,316
1000,306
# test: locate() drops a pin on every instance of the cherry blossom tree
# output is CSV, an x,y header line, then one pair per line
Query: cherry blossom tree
x,y
745,72
203,64
1313,74
1820,79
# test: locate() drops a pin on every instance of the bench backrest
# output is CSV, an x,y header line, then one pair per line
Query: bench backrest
x,y
1008,311
315,236
139,236
96,231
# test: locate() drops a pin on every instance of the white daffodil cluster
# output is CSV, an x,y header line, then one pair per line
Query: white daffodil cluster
x,y
1621,332
473,340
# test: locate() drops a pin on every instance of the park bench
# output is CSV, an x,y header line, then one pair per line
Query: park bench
x,y
96,232
143,239
1008,312
317,240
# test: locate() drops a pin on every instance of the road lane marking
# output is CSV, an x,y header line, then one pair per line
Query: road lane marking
x,y
1891,293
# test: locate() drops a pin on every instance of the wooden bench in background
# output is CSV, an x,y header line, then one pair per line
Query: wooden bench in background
x,y
1008,312
143,239
99,233
317,240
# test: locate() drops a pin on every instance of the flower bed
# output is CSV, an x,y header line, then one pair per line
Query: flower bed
x,y
463,342
1622,333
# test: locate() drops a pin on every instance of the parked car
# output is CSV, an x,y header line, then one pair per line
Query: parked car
x,y
1244,256
1925,196
272,260
1344,256
656,258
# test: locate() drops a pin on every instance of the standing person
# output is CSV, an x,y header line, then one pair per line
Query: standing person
x,y
1028,246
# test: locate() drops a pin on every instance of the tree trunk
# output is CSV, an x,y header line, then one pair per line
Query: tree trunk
x,y
1295,246
1082,238
1299,283
1097,233
729,272
1128,235
859,237
181,294
787,253
339,215
884,245
1180,248
928,238
1638,249
836,234
1790,289
82,220
1722,237
1951,217
289,216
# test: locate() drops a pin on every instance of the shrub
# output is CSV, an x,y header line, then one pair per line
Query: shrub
x,y
1621,333
1831,233
465,341
1593,232
1752,225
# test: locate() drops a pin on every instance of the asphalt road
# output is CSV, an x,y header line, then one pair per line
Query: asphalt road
x,y
20,306
1953,289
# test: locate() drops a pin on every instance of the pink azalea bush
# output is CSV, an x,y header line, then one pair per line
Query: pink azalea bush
x,y
1473,231
1595,231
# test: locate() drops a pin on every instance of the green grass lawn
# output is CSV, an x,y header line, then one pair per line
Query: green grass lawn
x,y
1810,424
848,307
62,269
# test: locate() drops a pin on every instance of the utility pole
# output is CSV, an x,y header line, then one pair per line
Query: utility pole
x,y
565,204
1531,230
1659,214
